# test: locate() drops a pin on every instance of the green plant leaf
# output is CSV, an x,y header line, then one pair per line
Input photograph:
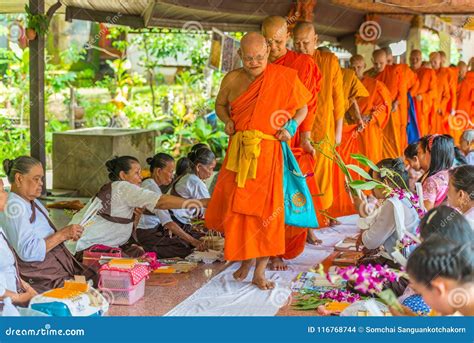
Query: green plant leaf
x,y
365,161
364,185
359,171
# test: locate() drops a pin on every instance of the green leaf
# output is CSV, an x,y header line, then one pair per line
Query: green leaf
x,y
364,185
359,171
365,161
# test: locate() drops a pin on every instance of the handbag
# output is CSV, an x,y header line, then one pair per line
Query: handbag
x,y
298,202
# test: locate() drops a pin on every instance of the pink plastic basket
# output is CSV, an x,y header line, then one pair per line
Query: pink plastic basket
x,y
93,254
115,290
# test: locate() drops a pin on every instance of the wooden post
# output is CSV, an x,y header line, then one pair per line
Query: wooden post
x,y
37,118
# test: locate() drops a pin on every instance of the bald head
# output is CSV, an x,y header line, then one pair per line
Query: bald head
x,y
254,53
357,63
435,60
379,60
389,53
462,67
415,59
275,31
443,57
305,38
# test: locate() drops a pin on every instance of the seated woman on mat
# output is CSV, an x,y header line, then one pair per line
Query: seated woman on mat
x,y
436,155
461,191
11,285
43,260
114,223
155,229
192,171
394,215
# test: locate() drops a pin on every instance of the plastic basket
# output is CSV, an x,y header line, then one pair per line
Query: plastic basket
x,y
127,296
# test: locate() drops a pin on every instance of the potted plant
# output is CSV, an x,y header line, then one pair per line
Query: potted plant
x,y
35,24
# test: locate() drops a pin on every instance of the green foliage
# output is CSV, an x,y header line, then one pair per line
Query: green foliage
x,y
37,22
15,140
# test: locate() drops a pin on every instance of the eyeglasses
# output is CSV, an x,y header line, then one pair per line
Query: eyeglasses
x,y
258,58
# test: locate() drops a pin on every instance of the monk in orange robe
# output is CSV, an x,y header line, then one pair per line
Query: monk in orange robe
x,y
393,79
443,92
425,94
375,111
330,110
248,202
453,83
354,90
275,31
465,98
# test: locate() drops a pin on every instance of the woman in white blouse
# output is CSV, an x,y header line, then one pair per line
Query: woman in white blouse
x,y
157,232
121,201
11,285
394,215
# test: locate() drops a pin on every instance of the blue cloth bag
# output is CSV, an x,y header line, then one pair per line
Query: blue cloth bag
x,y
299,208
413,133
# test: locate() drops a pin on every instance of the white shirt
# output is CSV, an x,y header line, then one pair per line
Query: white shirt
x,y
7,267
470,158
383,229
125,198
190,186
28,239
161,216
469,215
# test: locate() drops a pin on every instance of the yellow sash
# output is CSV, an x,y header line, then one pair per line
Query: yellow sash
x,y
244,150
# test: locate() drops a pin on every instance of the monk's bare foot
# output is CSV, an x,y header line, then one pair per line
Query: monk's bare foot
x,y
312,239
276,263
241,273
334,222
262,282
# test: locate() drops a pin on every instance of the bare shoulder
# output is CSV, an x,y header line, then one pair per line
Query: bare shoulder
x,y
232,77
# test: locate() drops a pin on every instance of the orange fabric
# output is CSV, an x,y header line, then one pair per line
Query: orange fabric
x,y
465,103
330,109
425,108
308,72
452,103
444,95
378,105
252,217
392,77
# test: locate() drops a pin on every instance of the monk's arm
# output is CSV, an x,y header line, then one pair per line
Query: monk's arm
x,y
168,202
300,114
222,100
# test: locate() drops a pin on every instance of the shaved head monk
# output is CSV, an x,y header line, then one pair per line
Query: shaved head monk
x,y
330,109
374,109
425,94
390,59
275,31
393,80
255,102
443,93
462,67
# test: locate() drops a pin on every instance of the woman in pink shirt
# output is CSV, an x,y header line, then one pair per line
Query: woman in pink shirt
x,y
436,155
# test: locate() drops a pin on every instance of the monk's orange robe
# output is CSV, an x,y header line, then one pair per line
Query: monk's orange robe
x,y
353,89
444,94
329,110
252,216
392,78
378,105
425,107
411,83
309,75
465,104
452,103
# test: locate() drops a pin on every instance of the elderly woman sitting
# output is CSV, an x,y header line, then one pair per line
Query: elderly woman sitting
x,y
43,260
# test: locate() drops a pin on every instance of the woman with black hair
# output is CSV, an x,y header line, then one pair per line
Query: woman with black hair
x,y
394,216
157,232
440,270
114,223
414,167
200,164
436,155
461,190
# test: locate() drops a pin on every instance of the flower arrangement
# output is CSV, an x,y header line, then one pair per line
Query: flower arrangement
x,y
312,300
341,296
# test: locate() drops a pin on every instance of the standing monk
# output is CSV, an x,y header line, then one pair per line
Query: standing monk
x,y
275,31
374,109
248,202
465,96
443,93
453,74
425,94
393,80
354,90
330,110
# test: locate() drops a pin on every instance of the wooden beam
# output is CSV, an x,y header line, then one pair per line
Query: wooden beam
x,y
134,21
37,118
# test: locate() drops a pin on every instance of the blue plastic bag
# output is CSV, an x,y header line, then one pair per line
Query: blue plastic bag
x,y
299,208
